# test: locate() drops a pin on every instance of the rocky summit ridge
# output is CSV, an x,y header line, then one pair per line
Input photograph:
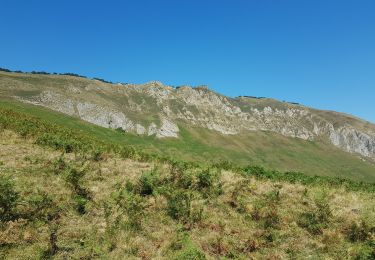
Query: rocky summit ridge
x,y
155,109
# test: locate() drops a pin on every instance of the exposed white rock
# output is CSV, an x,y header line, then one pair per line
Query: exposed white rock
x,y
167,129
158,91
103,116
74,90
152,129
353,141
140,129
203,108
222,129
55,101
167,110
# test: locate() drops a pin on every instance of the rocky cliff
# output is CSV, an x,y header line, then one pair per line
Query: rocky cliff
x,y
155,109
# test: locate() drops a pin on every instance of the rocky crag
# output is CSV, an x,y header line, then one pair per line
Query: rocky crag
x,y
156,109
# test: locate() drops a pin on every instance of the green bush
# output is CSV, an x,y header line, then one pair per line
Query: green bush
x,y
273,196
317,219
190,253
56,142
9,199
208,183
310,221
226,165
42,207
177,169
265,210
129,186
267,215
97,155
298,177
81,195
179,204
147,183
180,207
185,249
239,195
363,252
359,231
128,204
80,203
74,177
186,180
59,165
271,218
206,179
135,209
120,130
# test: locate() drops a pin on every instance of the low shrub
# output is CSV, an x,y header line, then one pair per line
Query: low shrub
x,y
9,199
58,143
265,210
239,194
186,180
147,183
359,231
226,165
190,253
42,207
180,207
317,218
268,216
298,177
362,251
80,203
310,221
206,179
81,195
74,178
135,209
126,203
97,155
177,170
59,165
271,218
183,248
208,183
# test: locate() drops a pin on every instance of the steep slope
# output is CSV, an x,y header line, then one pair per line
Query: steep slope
x,y
200,122
67,194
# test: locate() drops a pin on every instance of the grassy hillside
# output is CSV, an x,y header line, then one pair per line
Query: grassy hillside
x,y
66,194
200,145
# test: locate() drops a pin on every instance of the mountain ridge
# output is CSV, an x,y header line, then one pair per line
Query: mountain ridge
x,y
198,122
212,110
75,75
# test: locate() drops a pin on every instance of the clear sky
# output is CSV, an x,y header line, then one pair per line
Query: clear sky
x,y
320,53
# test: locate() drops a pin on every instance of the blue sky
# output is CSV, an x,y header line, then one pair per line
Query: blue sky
x,y
318,53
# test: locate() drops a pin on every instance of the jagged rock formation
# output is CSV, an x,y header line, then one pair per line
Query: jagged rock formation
x,y
155,109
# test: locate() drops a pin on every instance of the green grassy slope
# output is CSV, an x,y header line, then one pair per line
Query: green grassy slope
x,y
85,205
196,144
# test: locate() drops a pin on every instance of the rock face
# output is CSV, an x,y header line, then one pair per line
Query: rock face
x,y
353,141
102,115
167,129
155,109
